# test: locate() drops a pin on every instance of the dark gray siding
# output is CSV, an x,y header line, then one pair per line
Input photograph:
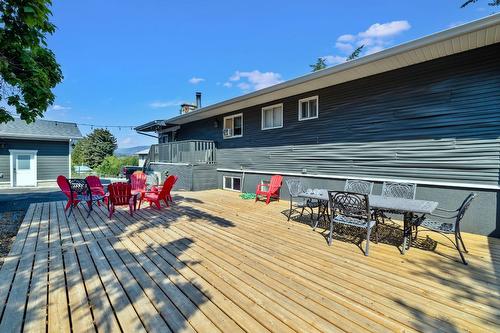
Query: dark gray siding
x,y
195,177
52,157
436,121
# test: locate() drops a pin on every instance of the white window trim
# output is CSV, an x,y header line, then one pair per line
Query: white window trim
x,y
232,183
307,100
14,152
262,116
224,123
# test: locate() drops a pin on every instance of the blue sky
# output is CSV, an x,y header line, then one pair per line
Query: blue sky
x,y
128,62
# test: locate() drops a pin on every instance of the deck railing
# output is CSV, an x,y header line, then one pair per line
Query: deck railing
x,y
191,151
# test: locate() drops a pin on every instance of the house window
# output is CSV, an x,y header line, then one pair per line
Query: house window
x,y
233,126
232,183
272,116
308,108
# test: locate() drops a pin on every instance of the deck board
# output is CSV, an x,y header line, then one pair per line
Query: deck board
x,y
213,262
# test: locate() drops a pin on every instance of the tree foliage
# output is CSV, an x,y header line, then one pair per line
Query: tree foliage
x,y
112,165
492,3
28,69
77,154
94,148
355,53
319,65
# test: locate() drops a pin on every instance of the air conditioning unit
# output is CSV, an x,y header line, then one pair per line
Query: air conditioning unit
x,y
228,132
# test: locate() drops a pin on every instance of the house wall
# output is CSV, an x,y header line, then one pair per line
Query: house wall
x,y
52,158
192,177
436,123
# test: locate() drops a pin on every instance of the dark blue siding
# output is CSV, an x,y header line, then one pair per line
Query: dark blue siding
x,y
436,121
52,157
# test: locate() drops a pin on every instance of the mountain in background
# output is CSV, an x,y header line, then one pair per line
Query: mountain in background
x,y
129,151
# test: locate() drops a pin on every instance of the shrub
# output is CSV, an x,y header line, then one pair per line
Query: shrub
x,y
112,165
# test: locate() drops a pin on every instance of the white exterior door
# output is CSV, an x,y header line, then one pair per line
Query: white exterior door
x,y
23,168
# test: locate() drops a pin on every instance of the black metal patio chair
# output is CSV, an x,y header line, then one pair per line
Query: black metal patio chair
x,y
358,186
81,192
395,190
399,190
449,224
351,209
295,187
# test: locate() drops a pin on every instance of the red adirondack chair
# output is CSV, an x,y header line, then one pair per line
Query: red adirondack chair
x,y
64,186
96,188
271,190
120,194
138,182
164,194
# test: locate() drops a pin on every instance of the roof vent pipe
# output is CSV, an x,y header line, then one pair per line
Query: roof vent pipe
x,y
198,100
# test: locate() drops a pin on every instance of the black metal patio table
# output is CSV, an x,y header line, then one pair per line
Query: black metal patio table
x,y
321,195
81,192
413,210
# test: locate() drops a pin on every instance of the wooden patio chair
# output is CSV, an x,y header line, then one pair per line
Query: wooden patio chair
x,y
155,197
120,194
63,184
138,182
269,190
96,188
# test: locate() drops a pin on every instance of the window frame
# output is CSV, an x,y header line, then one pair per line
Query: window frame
x,y
265,108
307,99
224,124
232,183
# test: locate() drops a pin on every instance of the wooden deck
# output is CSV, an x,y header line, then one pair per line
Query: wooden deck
x,y
214,262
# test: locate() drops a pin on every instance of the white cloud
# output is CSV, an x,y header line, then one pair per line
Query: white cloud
x,y
164,104
383,30
196,80
254,80
57,107
344,47
333,59
346,38
227,84
376,38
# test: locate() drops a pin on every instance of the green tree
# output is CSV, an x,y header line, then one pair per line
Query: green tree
x,y
28,69
492,3
355,53
319,65
77,154
99,144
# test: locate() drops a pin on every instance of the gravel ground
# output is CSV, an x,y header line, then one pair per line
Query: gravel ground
x,y
13,205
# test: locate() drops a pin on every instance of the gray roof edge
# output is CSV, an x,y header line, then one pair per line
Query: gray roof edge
x,y
407,46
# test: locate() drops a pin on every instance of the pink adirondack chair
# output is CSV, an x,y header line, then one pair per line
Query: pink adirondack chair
x,y
64,186
138,182
271,190
120,195
96,188
154,197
